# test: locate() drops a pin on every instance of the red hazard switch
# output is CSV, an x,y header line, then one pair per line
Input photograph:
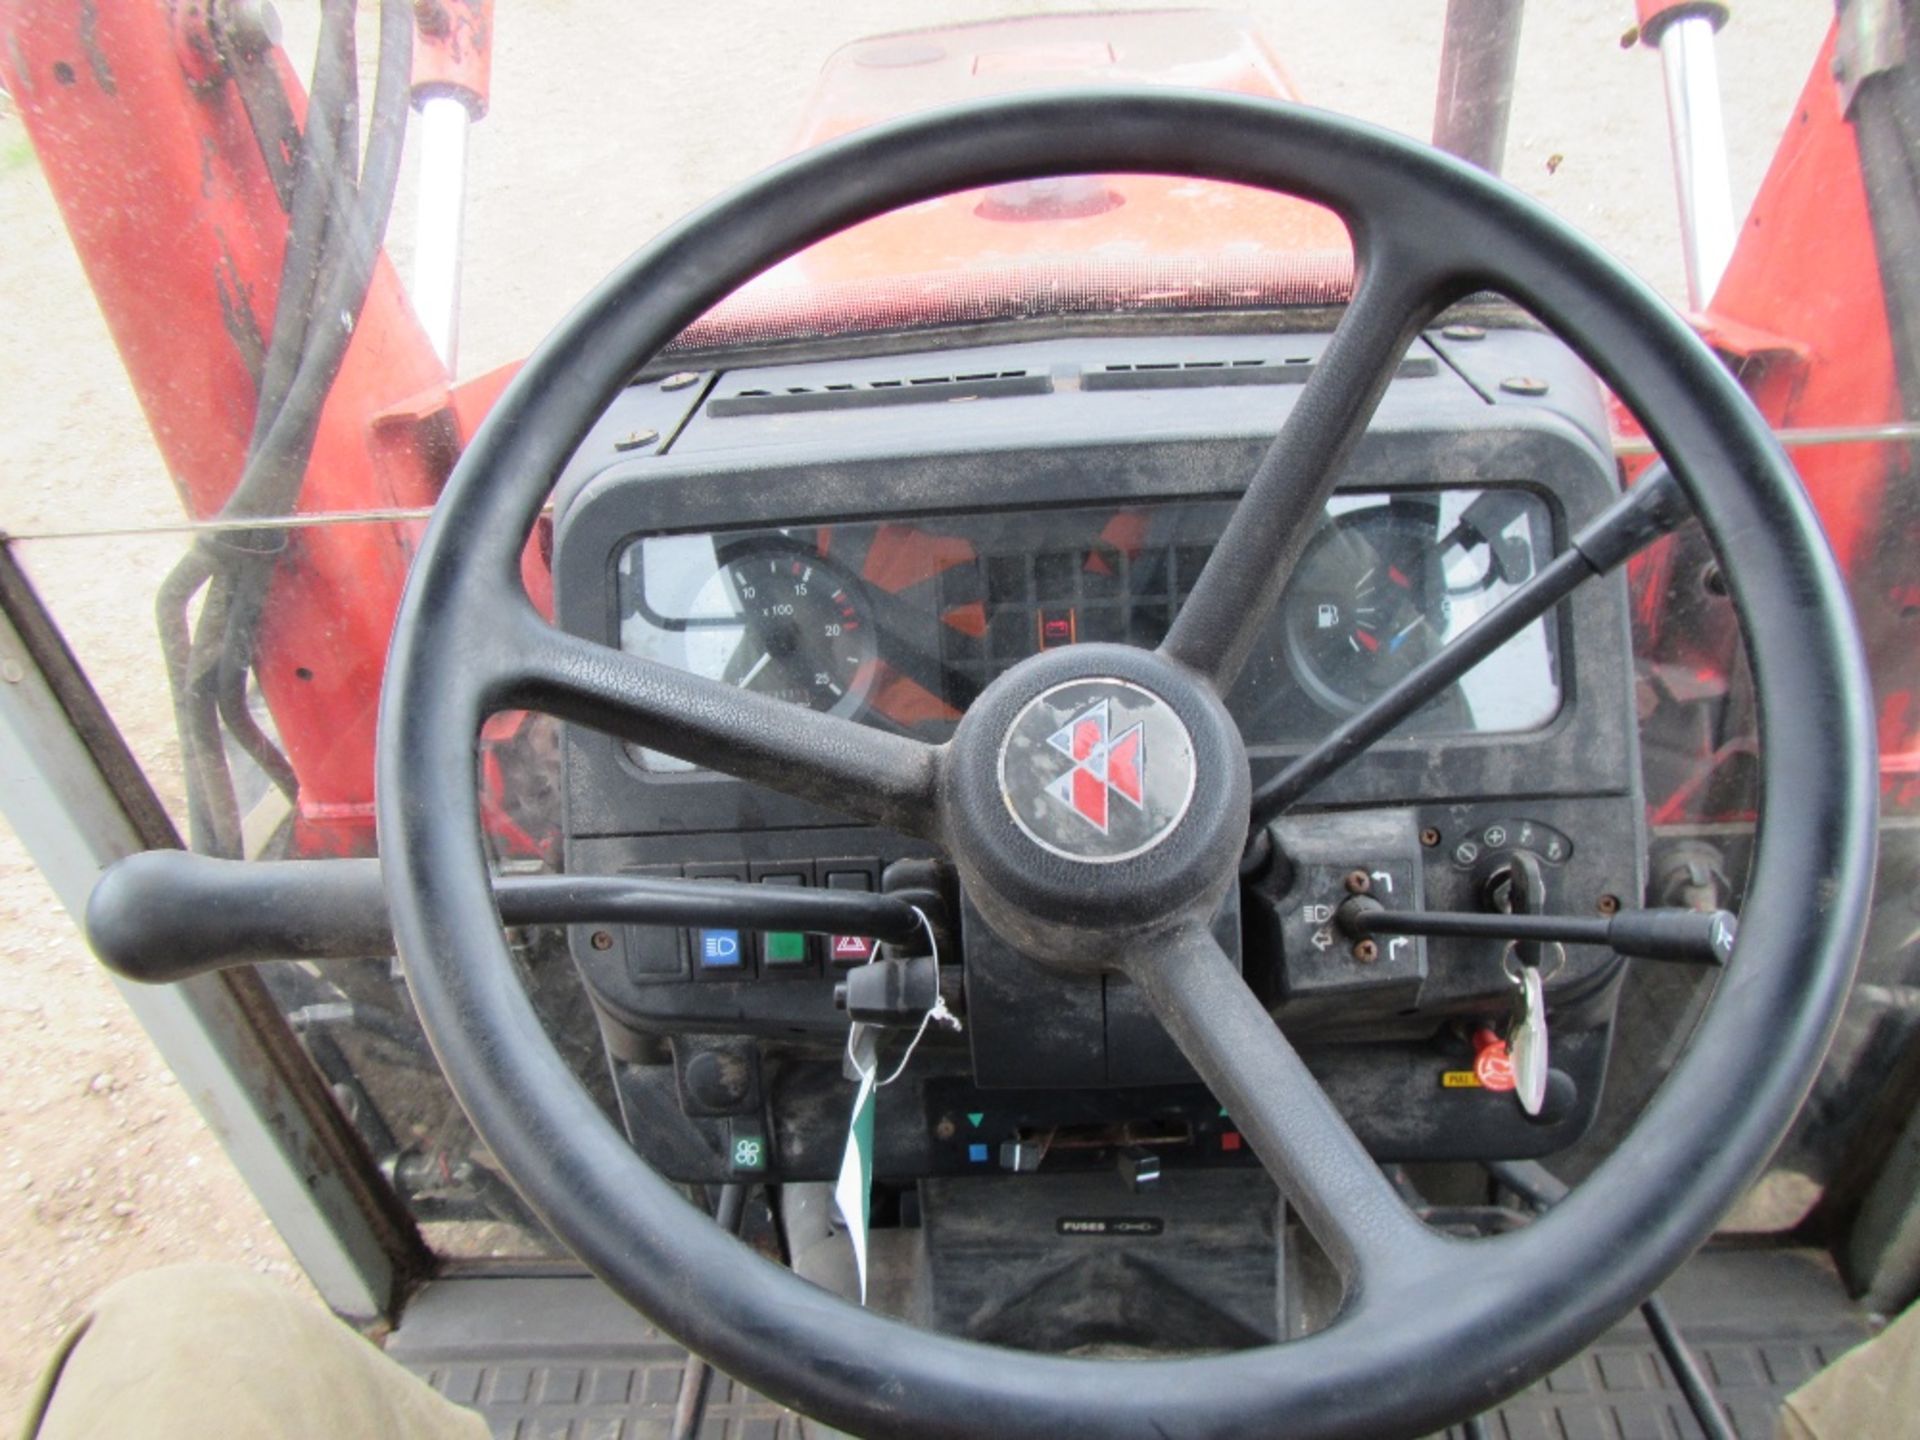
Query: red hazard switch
x,y
851,949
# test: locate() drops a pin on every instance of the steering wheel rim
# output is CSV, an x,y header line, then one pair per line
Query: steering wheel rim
x,y
1452,1326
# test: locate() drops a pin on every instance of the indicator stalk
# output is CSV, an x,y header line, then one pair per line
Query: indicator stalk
x,y
1689,936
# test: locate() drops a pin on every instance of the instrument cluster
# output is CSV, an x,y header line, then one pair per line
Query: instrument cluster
x,y
901,624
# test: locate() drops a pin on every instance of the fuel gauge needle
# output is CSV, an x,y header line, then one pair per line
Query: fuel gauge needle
x,y
1398,640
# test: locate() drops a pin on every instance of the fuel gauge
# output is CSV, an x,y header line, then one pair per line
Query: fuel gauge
x,y
1367,604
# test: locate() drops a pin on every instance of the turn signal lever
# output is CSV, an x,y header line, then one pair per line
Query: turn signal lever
x,y
165,915
1699,937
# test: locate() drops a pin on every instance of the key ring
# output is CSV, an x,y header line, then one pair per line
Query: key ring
x,y
1512,958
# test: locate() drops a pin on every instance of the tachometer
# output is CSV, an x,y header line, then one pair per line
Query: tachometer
x,y
783,621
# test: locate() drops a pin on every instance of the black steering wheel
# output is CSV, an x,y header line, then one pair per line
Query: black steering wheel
x,y
1433,1329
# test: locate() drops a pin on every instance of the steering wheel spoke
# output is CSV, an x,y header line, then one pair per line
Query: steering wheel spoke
x,y
859,771
1320,1166
1228,610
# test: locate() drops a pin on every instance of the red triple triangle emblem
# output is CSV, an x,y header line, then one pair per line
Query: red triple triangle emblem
x,y
1103,766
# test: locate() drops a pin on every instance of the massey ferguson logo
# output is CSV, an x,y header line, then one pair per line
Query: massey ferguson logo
x,y
1103,765
1097,770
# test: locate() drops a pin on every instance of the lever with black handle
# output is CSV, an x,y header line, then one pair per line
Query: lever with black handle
x,y
165,915
1693,936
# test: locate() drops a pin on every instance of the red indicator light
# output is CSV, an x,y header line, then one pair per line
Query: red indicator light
x,y
1058,627
1230,1140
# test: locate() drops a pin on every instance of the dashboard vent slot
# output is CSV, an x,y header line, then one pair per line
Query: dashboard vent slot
x,y
1202,374
865,394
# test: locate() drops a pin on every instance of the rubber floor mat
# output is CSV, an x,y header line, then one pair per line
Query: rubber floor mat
x,y
561,1359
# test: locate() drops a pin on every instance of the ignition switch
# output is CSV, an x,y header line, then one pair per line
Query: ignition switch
x,y
1519,887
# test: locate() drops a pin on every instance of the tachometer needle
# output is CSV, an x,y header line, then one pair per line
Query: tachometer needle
x,y
758,665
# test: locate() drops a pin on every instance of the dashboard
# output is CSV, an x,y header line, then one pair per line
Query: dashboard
x,y
879,537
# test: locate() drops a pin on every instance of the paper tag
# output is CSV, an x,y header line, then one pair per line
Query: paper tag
x,y
853,1189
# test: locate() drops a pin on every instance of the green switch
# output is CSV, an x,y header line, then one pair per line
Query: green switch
x,y
785,947
747,1146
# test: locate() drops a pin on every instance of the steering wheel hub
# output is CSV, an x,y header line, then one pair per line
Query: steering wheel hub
x,y
1094,791
1097,770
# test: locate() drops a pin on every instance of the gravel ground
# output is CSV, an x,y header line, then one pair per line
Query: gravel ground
x,y
609,119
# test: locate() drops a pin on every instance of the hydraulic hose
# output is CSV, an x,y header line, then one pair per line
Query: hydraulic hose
x,y
336,224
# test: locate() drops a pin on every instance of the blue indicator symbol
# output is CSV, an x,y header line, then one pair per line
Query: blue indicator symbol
x,y
720,948
977,1154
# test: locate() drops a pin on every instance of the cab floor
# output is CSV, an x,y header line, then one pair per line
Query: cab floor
x,y
558,1358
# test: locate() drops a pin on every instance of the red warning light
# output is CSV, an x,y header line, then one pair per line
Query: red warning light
x,y
1058,626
